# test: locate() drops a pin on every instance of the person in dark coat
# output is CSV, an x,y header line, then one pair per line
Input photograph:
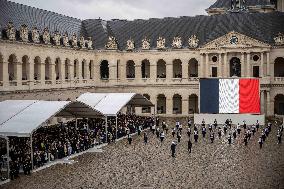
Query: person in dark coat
x,y
219,132
173,149
145,138
230,138
129,138
260,142
179,136
203,131
212,137
196,136
246,140
189,146
279,135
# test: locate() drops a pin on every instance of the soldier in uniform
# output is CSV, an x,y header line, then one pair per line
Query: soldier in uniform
x,y
129,138
179,136
173,148
203,131
212,137
195,133
260,142
189,146
145,138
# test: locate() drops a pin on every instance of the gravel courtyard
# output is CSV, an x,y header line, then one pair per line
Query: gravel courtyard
x,y
217,165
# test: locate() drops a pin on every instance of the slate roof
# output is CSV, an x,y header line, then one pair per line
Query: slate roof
x,y
261,26
227,3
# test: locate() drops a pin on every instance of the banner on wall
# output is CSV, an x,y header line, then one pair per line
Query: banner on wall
x,y
237,96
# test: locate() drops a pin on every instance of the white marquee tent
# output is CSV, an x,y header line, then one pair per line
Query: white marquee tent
x,y
110,104
21,117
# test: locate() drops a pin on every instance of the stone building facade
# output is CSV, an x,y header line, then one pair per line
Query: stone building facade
x,y
54,63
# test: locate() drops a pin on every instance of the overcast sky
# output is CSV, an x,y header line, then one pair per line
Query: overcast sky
x,y
122,9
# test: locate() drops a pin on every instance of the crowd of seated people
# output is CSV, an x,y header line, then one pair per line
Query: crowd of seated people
x,y
58,141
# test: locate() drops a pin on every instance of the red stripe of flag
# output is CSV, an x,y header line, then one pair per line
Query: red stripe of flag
x,y
249,96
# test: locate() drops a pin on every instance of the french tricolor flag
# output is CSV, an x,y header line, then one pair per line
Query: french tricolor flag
x,y
229,96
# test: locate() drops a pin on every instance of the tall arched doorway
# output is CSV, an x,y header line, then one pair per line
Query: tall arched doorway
x,y
177,104
161,104
279,104
193,104
235,67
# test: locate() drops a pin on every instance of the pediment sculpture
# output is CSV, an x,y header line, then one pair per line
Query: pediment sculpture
x,y
24,33
74,40
161,43
145,44
11,33
89,43
46,36
82,42
35,35
235,40
130,45
111,43
56,38
193,41
279,39
65,40
177,43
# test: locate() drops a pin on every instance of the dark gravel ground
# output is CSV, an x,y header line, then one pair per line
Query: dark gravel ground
x,y
217,165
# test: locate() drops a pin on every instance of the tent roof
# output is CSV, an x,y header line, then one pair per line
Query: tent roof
x,y
29,118
10,108
110,104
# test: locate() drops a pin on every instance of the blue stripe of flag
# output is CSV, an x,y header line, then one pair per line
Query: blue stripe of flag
x,y
209,95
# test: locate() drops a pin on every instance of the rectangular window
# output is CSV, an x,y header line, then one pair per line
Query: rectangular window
x,y
214,72
256,71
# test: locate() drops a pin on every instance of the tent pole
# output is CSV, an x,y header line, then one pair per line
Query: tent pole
x,y
116,127
8,157
106,129
32,157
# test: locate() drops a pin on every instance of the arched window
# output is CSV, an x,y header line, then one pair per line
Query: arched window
x,y
279,104
104,69
145,69
146,109
177,68
193,68
193,104
37,65
57,68
12,67
279,67
25,67
130,69
161,69
47,68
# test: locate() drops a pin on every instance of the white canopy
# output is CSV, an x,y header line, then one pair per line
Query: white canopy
x,y
110,104
10,108
32,116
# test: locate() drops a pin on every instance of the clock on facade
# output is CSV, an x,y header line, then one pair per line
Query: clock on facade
x,y
234,40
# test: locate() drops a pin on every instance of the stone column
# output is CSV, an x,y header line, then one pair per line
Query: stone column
x,y
19,73
62,70
201,66
270,104
220,66
92,70
262,102
184,66
153,70
184,105
207,66
112,70
42,72
248,65
79,73
138,74
243,65
86,70
169,70
169,104
52,73
226,74
261,74
268,64
5,74
71,71
30,73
